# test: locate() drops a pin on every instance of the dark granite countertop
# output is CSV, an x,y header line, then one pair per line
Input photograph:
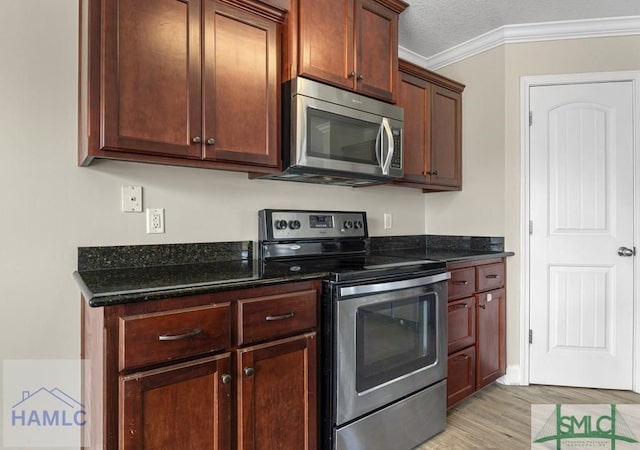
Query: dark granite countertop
x,y
126,274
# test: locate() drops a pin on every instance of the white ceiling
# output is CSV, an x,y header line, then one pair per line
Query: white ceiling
x,y
428,27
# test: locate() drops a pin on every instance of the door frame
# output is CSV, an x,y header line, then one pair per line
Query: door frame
x,y
527,82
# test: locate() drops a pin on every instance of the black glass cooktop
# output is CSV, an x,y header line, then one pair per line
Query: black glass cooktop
x,y
358,267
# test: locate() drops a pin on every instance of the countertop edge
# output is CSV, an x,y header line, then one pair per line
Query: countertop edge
x,y
111,299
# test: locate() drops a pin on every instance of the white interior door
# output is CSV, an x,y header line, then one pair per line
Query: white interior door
x,y
582,210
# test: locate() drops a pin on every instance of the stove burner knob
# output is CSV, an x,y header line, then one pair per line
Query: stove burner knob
x,y
281,224
348,224
294,224
357,224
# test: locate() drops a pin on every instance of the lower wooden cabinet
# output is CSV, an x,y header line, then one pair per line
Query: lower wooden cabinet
x,y
461,378
476,327
490,344
182,406
203,377
277,395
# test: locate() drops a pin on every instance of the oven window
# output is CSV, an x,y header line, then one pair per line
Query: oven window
x,y
332,136
394,338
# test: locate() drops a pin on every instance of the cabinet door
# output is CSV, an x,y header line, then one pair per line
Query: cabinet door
x,y
461,375
326,41
461,321
376,44
277,395
241,86
491,335
181,407
151,77
415,97
446,138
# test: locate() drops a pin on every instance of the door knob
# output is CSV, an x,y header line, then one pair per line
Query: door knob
x,y
625,251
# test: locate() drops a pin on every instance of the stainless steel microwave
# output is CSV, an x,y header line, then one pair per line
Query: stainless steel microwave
x,y
333,136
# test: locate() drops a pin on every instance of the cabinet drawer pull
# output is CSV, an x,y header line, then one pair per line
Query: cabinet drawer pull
x,y
460,282
461,357
290,315
460,306
248,371
176,337
492,276
226,378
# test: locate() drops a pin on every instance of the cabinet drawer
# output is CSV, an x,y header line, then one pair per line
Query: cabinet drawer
x,y
276,315
462,283
164,336
461,375
462,324
490,276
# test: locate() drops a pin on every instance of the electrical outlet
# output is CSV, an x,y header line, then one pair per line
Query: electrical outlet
x,y
155,220
131,198
388,221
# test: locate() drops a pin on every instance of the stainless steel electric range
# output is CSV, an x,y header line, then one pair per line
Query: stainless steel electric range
x,y
383,325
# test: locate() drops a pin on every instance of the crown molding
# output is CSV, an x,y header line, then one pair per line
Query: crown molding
x,y
532,32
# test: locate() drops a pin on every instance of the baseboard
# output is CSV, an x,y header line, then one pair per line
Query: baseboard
x,y
512,377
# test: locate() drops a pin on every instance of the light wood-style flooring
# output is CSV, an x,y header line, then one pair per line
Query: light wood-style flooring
x,y
499,417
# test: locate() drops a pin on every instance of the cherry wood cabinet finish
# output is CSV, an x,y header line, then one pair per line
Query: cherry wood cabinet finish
x,y
158,406
276,315
461,375
191,82
490,276
477,323
462,283
491,339
161,337
462,324
117,396
277,394
351,44
432,136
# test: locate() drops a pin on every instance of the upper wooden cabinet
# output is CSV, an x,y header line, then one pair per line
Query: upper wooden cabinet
x,y
351,44
432,139
191,82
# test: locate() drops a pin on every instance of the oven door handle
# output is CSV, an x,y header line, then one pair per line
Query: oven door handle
x,y
377,288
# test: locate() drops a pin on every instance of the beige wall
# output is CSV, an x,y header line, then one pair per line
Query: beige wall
x,y
50,206
491,106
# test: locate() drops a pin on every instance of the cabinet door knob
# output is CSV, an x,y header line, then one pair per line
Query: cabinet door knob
x,y
352,74
432,172
483,306
226,378
360,77
196,140
211,141
248,371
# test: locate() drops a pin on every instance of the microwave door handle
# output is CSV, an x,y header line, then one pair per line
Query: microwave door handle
x,y
387,161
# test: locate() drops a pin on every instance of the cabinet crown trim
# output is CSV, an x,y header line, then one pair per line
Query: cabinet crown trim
x,y
273,10
432,77
395,5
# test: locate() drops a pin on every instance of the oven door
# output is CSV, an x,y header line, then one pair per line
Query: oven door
x,y
391,342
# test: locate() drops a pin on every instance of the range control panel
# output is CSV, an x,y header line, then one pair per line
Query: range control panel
x,y
297,224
